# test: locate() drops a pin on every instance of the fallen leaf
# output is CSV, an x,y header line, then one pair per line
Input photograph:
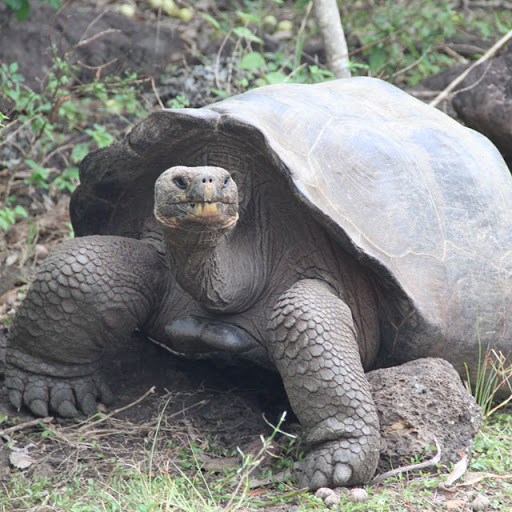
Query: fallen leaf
x,y
458,470
455,504
21,460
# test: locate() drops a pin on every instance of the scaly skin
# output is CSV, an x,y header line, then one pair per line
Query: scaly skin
x,y
90,293
313,344
94,291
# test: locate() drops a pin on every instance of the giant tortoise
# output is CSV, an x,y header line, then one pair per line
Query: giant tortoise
x,y
323,229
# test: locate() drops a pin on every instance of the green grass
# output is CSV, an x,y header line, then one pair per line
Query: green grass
x,y
168,477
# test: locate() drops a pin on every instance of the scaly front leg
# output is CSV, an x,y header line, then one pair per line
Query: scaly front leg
x,y
89,293
313,344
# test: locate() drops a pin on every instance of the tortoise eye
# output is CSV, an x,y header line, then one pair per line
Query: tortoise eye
x,y
180,183
226,181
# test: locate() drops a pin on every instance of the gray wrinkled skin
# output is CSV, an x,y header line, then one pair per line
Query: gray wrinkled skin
x,y
367,223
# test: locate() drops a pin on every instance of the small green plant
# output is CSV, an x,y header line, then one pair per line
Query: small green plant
x,y
249,65
68,180
251,462
100,135
39,174
21,8
403,39
11,213
37,126
492,375
180,102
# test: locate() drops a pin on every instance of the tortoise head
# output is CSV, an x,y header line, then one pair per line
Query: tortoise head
x,y
196,199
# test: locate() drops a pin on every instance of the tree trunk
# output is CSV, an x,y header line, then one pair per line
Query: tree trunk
x,y
329,23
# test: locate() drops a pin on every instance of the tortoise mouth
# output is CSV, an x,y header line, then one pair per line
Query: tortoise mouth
x,y
197,214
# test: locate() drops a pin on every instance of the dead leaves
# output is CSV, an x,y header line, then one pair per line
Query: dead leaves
x,y
457,472
21,459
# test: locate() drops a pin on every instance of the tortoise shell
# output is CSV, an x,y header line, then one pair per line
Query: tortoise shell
x,y
424,202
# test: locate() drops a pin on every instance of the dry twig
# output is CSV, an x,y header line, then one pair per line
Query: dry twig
x,y
412,467
479,478
88,424
25,425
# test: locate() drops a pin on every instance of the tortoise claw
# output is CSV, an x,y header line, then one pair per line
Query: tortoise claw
x,y
105,394
66,409
62,400
342,475
16,398
38,408
87,403
340,463
35,395
65,396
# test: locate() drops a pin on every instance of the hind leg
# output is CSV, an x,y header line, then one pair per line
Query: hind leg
x,y
88,294
313,344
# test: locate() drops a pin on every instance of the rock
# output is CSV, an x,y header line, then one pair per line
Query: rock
x,y
480,503
40,251
483,101
418,402
332,500
323,492
358,495
329,497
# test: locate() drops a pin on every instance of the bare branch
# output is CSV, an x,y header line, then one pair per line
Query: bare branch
x,y
87,424
329,23
85,42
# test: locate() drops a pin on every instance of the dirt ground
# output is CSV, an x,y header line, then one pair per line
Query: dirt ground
x,y
217,404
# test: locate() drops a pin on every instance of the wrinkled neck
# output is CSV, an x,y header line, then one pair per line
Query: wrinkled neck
x,y
185,242
211,266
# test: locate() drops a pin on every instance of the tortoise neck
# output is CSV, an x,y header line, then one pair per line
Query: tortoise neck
x,y
209,265
185,243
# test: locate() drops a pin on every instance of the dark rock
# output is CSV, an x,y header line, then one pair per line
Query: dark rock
x,y
483,100
421,401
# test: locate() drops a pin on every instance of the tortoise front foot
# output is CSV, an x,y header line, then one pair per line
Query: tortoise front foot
x,y
313,344
340,463
65,396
